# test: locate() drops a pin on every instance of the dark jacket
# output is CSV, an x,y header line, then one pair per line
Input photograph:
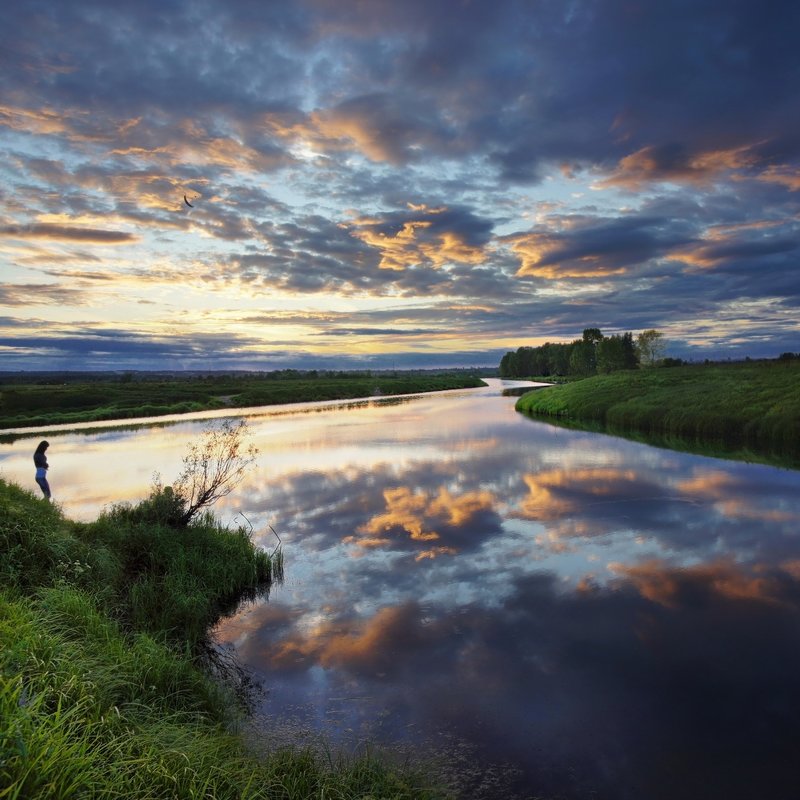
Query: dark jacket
x,y
40,459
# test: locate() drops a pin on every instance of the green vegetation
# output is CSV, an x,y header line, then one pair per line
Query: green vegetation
x,y
754,405
69,399
104,688
593,353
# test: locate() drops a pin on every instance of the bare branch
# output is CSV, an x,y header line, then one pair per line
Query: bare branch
x,y
213,467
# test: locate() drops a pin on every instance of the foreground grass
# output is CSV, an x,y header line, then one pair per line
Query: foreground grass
x,y
103,693
33,404
753,406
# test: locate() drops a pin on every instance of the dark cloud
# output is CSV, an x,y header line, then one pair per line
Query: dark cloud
x,y
379,332
672,78
40,293
93,348
598,246
67,233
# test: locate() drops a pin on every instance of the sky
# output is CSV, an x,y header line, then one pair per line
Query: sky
x,y
381,184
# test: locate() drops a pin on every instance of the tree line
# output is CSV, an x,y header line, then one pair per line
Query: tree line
x,y
592,354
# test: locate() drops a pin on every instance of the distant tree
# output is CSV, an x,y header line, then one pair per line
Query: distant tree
x,y
508,365
592,353
650,345
592,335
630,357
582,359
525,359
616,352
558,356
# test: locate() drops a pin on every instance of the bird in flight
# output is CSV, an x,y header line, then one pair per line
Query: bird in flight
x,y
187,202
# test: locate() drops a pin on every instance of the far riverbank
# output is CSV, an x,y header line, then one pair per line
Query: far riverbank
x,y
56,401
752,407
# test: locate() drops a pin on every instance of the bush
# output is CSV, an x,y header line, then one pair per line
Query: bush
x,y
34,539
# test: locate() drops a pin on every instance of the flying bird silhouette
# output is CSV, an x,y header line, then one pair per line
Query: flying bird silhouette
x,y
187,202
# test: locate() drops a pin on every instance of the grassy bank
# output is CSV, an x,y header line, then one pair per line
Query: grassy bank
x,y
54,402
752,405
104,691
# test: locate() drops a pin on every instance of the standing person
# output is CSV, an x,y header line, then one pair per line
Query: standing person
x,y
40,459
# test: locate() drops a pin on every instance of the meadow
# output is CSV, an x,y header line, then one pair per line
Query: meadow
x,y
749,406
108,685
69,399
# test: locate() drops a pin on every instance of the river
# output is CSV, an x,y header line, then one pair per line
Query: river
x,y
534,610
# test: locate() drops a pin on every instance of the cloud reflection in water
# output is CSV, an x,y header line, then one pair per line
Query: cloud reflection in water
x,y
593,614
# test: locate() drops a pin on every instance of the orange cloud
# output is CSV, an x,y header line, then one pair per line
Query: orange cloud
x,y
405,510
38,121
726,492
536,254
368,643
434,552
672,587
551,493
359,129
421,517
673,163
67,233
416,242
784,175
361,644
356,127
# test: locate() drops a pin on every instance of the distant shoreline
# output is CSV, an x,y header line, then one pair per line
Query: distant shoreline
x,y
31,405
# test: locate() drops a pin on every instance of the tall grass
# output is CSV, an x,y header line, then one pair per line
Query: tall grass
x,y
102,694
753,405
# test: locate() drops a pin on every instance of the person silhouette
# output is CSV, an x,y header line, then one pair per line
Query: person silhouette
x,y
40,460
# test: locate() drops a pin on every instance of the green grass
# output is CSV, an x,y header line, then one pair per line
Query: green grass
x,y
752,407
34,404
103,690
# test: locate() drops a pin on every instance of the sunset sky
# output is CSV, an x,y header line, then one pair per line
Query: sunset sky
x,y
394,183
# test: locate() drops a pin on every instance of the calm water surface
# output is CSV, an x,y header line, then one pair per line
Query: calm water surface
x,y
541,611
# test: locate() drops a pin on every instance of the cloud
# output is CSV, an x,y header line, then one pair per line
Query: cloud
x,y
710,582
673,162
727,249
444,524
428,236
67,234
41,293
40,121
380,332
381,127
595,247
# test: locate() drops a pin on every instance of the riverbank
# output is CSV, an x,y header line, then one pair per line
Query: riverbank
x,y
751,406
106,686
54,401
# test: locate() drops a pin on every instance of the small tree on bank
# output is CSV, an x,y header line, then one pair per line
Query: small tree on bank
x,y
211,469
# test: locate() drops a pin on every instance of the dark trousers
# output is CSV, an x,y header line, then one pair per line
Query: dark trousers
x,y
44,486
